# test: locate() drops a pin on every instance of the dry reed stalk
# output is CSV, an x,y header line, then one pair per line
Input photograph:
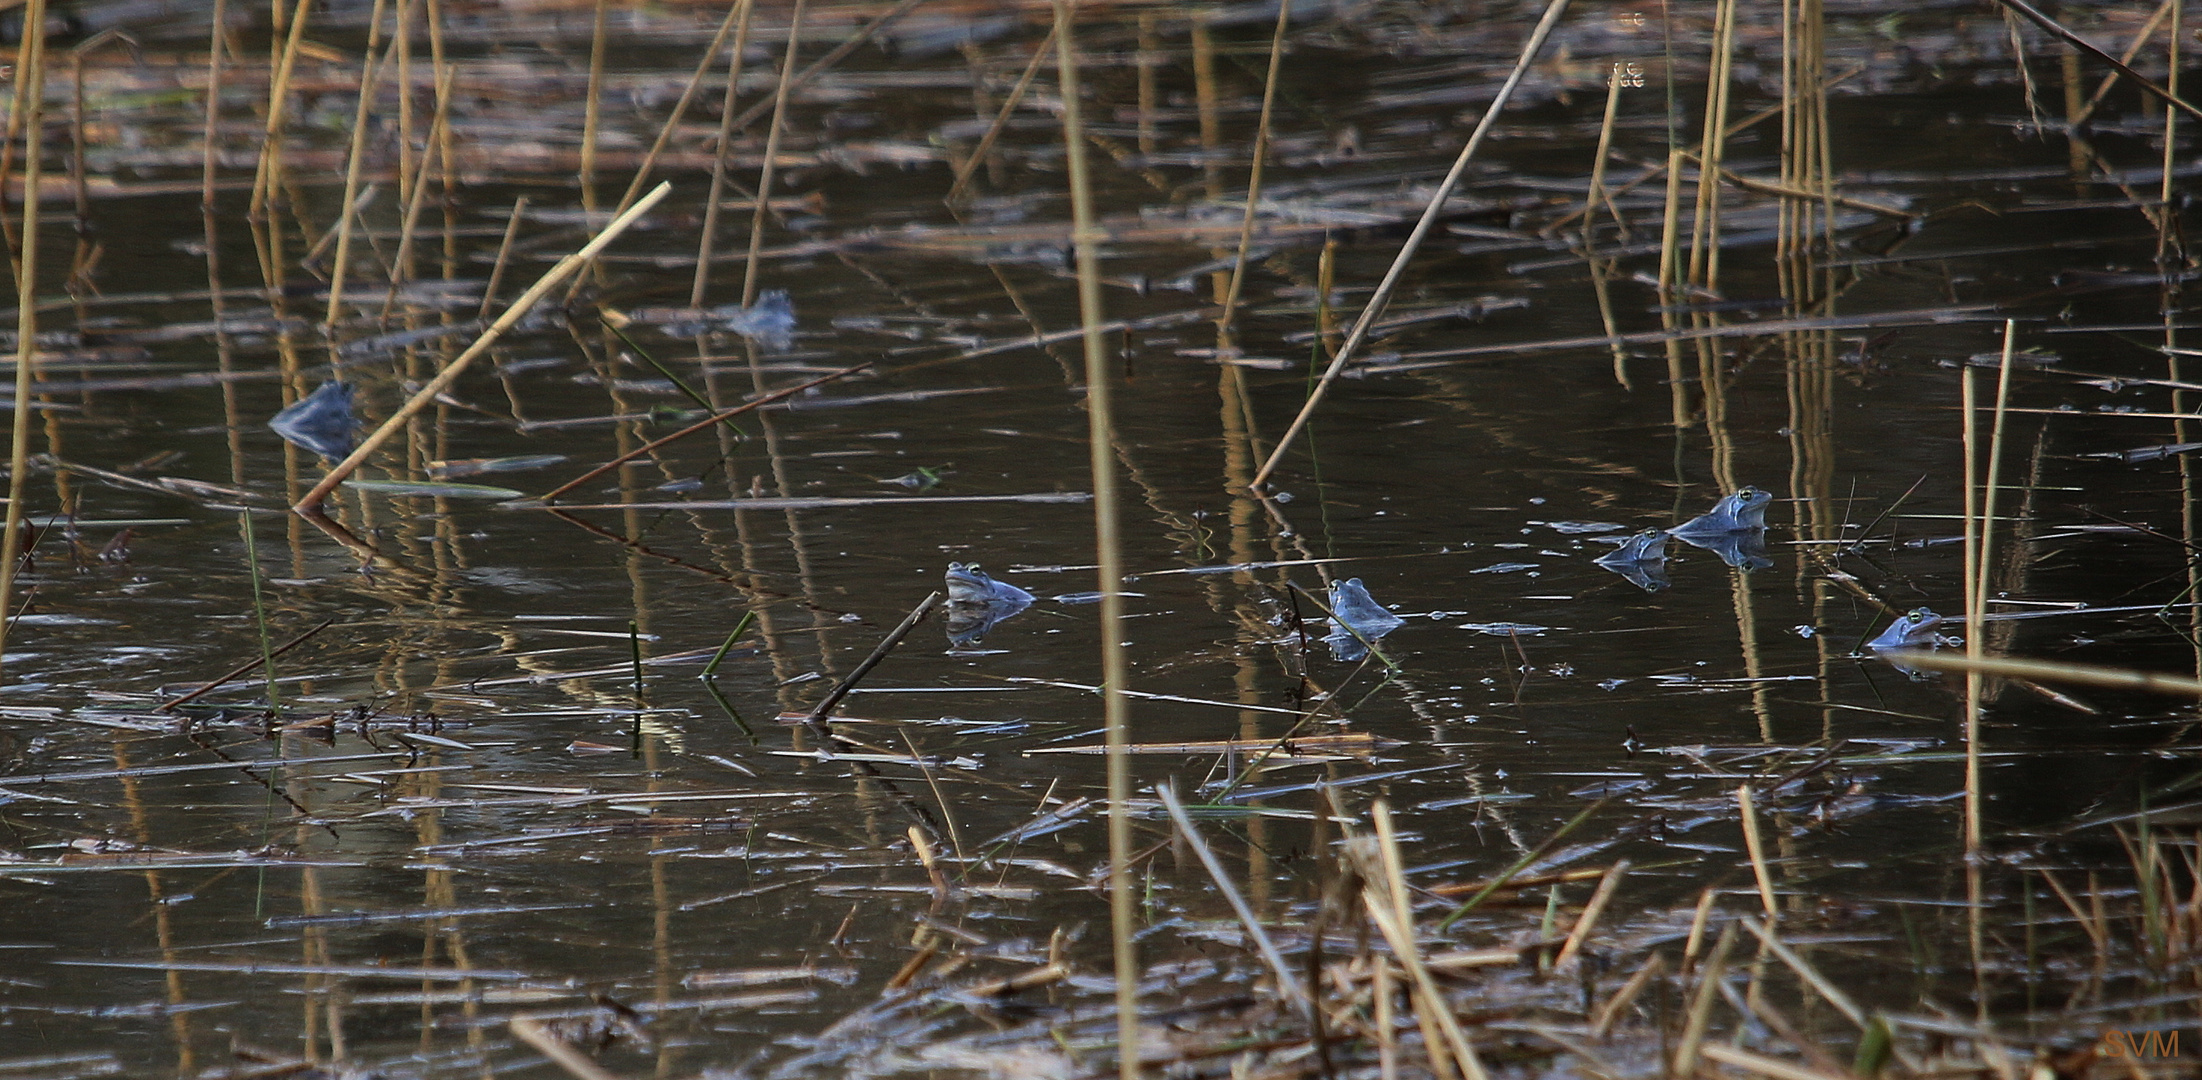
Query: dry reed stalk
x,y
833,56
1980,547
970,165
924,849
402,263
1810,975
1698,921
1591,910
947,807
1757,850
2077,113
1712,149
1603,1020
680,107
355,162
1286,981
2010,667
1108,545
504,256
593,107
2035,16
1761,1065
310,504
30,107
1254,171
1394,917
1701,1007
211,147
720,149
1670,260
1430,213
563,1054
765,177
279,90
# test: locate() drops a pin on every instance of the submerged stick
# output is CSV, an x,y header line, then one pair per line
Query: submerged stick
x,y
311,503
224,678
1384,290
709,421
817,717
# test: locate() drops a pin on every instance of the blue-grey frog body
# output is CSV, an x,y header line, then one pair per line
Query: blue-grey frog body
x,y
1358,619
1739,511
976,602
967,584
1913,630
321,422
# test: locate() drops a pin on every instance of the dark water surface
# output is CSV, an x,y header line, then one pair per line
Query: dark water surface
x,y
174,882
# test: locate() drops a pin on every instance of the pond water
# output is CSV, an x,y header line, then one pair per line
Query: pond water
x,y
496,784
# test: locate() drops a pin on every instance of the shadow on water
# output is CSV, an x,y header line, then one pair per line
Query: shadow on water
x,y
446,795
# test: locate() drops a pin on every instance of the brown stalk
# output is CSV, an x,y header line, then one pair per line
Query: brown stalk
x,y
709,421
772,155
355,161
1701,1006
817,716
563,1054
721,147
1589,918
31,108
224,678
1254,171
1757,849
985,146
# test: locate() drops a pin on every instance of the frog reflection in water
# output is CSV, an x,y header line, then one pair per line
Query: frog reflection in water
x,y
976,602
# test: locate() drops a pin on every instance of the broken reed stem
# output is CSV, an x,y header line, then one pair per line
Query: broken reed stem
x,y
1757,849
1108,546
224,678
680,107
279,92
1394,917
563,1054
817,717
971,164
593,108
710,421
401,269
31,110
551,279
772,156
1430,213
1254,171
1977,590
720,149
1607,883
2053,671
1701,1006
835,56
2076,41
355,161
1286,981
504,256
